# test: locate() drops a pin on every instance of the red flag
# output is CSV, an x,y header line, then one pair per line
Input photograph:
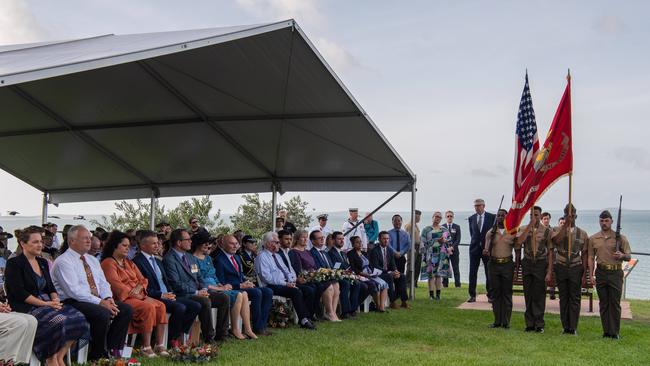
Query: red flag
x,y
552,162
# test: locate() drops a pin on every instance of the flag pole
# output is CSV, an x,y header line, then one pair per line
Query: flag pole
x,y
570,213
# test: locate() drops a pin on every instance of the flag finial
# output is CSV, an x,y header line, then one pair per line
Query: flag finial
x,y
568,74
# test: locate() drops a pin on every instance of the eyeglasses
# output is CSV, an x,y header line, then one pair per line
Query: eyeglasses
x,y
448,216
194,222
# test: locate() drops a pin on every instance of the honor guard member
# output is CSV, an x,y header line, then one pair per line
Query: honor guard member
x,y
499,247
570,269
609,257
359,230
537,269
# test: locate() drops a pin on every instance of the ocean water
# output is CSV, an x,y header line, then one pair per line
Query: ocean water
x,y
635,226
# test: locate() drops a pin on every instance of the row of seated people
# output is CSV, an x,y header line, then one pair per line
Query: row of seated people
x,y
84,300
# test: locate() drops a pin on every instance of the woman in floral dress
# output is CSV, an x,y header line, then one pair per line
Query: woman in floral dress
x,y
436,250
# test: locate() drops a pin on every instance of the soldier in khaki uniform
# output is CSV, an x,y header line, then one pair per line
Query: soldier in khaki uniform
x,y
609,273
499,247
570,269
537,268
418,255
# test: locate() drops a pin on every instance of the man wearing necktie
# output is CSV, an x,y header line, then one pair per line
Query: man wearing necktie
x,y
400,242
479,224
382,257
182,310
358,289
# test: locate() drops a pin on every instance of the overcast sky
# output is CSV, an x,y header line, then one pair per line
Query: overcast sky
x,y
441,79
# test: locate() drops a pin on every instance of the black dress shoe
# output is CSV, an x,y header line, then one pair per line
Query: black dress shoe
x,y
539,330
471,299
308,325
505,326
566,331
494,325
529,329
615,336
345,316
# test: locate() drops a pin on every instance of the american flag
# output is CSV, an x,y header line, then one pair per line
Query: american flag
x,y
526,138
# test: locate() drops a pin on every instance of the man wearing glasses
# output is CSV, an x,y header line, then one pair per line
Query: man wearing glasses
x,y
454,235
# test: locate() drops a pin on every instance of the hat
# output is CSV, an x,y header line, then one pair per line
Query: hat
x,y
162,223
605,215
201,237
353,209
479,201
248,239
322,216
5,235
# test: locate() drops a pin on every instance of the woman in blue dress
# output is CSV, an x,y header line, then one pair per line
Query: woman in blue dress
x,y
434,239
30,290
239,308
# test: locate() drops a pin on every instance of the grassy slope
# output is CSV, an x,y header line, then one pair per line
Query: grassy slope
x,y
435,332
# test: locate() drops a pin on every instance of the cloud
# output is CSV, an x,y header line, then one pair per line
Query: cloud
x,y
304,11
636,156
609,24
18,24
337,56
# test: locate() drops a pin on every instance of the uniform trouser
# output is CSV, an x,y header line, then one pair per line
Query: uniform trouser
x,y
501,281
609,285
569,285
454,259
534,275
474,262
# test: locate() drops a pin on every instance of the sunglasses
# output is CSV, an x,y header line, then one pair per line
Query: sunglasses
x,y
448,216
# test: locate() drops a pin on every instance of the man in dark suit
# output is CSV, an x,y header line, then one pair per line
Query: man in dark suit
x,y
479,224
182,310
185,280
322,259
382,257
454,232
311,293
358,290
229,269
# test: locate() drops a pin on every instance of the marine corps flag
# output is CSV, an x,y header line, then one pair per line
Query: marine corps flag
x,y
552,162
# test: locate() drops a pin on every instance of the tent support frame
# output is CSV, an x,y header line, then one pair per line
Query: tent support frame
x,y
412,253
46,198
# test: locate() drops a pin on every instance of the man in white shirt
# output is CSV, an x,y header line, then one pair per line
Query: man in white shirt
x,y
359,231
322,227
80,282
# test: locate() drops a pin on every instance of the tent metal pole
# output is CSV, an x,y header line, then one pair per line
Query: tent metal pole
x,y
44,208
377,209
152,211
274,203
412,254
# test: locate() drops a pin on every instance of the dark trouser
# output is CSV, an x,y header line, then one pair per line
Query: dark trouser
x,y
221,302
361,294
569,286
396,287
311,297
609,285
534,276
182,312
261,299
105,333
501,280
474,262
349,297
296,297
454,259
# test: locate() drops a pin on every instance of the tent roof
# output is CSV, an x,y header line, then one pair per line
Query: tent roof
x,y
208,111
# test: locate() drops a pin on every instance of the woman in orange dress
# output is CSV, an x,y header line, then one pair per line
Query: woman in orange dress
x,y
130,286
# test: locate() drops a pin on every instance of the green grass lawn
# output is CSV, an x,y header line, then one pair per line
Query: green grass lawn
x,y
438,333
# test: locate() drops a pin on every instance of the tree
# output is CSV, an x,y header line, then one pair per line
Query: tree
x,y
136,216
254,215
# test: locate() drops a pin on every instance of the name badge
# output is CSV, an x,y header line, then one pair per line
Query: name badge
x,y
453,231
337,265
194,268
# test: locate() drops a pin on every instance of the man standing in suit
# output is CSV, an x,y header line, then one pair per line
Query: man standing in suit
x,y
400,242
185,281
182,310
454,232
417,242
479,224
339,258
383,258
228,266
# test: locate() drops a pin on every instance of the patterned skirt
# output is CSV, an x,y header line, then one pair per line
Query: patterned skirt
x,y
56,327
438,265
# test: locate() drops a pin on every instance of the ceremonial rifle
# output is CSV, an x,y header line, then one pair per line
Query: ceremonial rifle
x,y
618,225
494,227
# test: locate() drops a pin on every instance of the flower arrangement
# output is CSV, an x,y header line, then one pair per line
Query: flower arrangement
x,y
6,363
328,274
115,362
281,314
192,353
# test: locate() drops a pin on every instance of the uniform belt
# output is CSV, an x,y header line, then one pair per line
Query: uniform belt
x,y
501,260
610,267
